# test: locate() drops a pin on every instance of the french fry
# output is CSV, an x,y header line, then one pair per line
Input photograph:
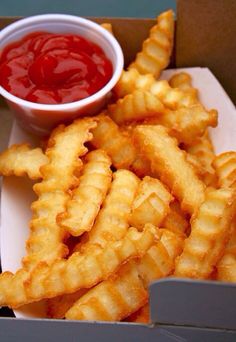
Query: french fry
x,y
176,221
172,98
112,221
58,306
131,80
186,124
210,231
140,316
226,267
225,165
136,106
183,81
157,48
113,299
108,27
151,203
169,164
159,260
77,272
66,145
203,150
107,136
20,160
87,198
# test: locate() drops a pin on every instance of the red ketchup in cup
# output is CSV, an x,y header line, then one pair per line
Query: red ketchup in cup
x,y
50,68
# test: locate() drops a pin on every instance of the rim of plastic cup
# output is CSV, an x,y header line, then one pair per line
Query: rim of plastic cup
x,y
73,19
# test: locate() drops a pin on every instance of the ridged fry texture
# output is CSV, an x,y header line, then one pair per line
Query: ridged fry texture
x,y
169,164
136,106
113,299
87,198
210,232
157,48
81,270
65,146
151,203
225,165
20,160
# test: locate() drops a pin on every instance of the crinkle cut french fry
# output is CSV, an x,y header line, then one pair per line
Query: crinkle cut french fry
x,y
183,81
225,165
203,150
186,124
113,299
172,98
132,80
157,48
210,231
81,270
112,221
176,221
108,27
58,306
140,316
151,203
226,267
159,260
87,198
136,106
169,164
66,145
107,136
20,160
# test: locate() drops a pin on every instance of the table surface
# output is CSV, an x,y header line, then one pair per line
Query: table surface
x,y
103,8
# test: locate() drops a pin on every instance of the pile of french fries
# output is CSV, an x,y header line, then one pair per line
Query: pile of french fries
x,y
126,197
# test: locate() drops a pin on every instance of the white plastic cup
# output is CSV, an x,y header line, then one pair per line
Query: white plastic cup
x,y
41,118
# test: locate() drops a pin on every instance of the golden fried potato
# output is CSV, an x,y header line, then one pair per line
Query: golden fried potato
x,y
172,98
169,164
65,146
80,270
176,221
210,231
157,48
136,106
226,267
186,124
131,80
112,221
159,260
151,203
113,299
225,165
107,136
20,160
140,316
108,27
203,150
183,81
58,306
87,198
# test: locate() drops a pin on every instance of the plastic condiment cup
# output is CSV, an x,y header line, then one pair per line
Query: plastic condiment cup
x,y
41,118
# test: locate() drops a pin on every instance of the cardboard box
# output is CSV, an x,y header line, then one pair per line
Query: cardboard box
x,y
178,309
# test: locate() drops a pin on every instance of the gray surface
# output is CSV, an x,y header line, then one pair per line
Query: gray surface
x,y
195,303
61,331
116,8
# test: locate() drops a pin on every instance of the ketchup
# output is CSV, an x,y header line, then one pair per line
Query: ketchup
x,y
54,68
